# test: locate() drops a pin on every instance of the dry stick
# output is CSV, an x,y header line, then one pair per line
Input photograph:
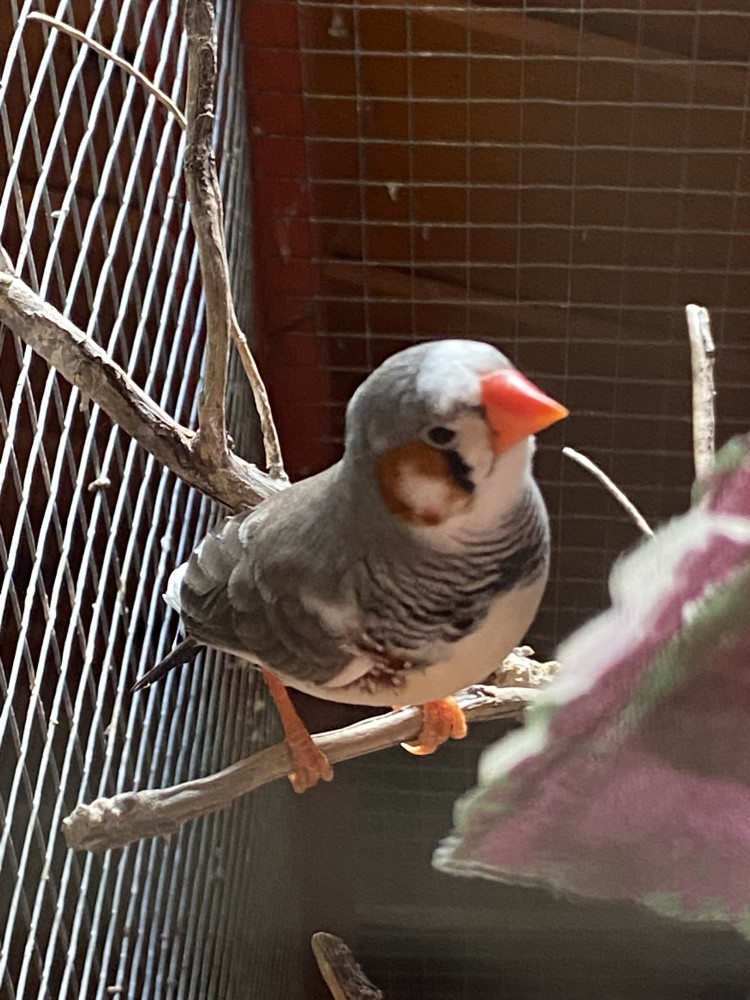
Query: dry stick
x,y
206,212
340,970
130,816
68,29
271,445
616,492
212,210
702,351
231,481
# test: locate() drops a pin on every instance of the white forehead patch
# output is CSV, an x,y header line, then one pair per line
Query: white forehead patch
x,y
449,373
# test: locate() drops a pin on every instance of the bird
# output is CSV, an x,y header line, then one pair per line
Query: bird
x,y
402,573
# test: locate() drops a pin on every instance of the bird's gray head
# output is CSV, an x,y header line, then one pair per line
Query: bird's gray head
x,y
433,422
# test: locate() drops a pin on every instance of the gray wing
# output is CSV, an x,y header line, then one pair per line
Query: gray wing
x,y
266,586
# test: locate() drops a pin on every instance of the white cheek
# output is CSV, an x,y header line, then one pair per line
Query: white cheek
x,y
423,493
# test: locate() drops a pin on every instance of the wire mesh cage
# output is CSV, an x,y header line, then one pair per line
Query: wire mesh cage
x,y
559,178
94,217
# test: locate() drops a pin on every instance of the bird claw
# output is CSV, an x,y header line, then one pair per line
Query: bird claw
x,y
441,720
310,766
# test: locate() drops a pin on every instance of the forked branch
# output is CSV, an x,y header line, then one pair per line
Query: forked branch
x,y
202,459
702,351
230,480
207,213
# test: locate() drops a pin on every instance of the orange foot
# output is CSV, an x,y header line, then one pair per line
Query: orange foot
x,y
309,762
441,720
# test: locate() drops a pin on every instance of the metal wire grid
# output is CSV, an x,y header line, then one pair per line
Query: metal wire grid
x,y
567,204
96,219
563,179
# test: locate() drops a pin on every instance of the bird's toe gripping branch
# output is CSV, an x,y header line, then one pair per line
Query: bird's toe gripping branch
x,y
310,764
441,720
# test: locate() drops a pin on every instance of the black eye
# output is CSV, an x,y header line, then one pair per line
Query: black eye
x,y
440,436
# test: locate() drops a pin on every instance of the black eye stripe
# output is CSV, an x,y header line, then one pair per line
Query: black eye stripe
x,y
459,471
440,436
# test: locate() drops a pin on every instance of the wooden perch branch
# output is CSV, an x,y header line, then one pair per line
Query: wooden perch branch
x,y
235,483
207,213
130,816
341,971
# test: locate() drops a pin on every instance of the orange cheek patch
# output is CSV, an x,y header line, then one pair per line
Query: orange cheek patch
x,y
416,485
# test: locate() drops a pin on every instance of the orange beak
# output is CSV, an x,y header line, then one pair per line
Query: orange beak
x,y
516,408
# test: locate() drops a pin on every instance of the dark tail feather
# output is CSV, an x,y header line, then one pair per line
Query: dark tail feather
x,y
183,652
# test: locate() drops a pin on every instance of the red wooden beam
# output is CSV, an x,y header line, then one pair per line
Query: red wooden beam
x,y
291,351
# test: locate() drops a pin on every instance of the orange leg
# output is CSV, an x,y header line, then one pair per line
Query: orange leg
x,y
310,763
441,720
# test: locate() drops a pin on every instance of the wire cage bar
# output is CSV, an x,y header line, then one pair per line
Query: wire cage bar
x,y
93,215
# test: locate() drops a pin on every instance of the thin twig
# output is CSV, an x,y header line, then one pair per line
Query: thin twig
x,y
233,482
702,351
271,446
106,53
130,816
340,969
616,492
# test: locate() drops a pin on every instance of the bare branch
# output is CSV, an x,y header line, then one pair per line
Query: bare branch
x,y
341,971
106,53
616,492
130,816
702,362
233,482
207,214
